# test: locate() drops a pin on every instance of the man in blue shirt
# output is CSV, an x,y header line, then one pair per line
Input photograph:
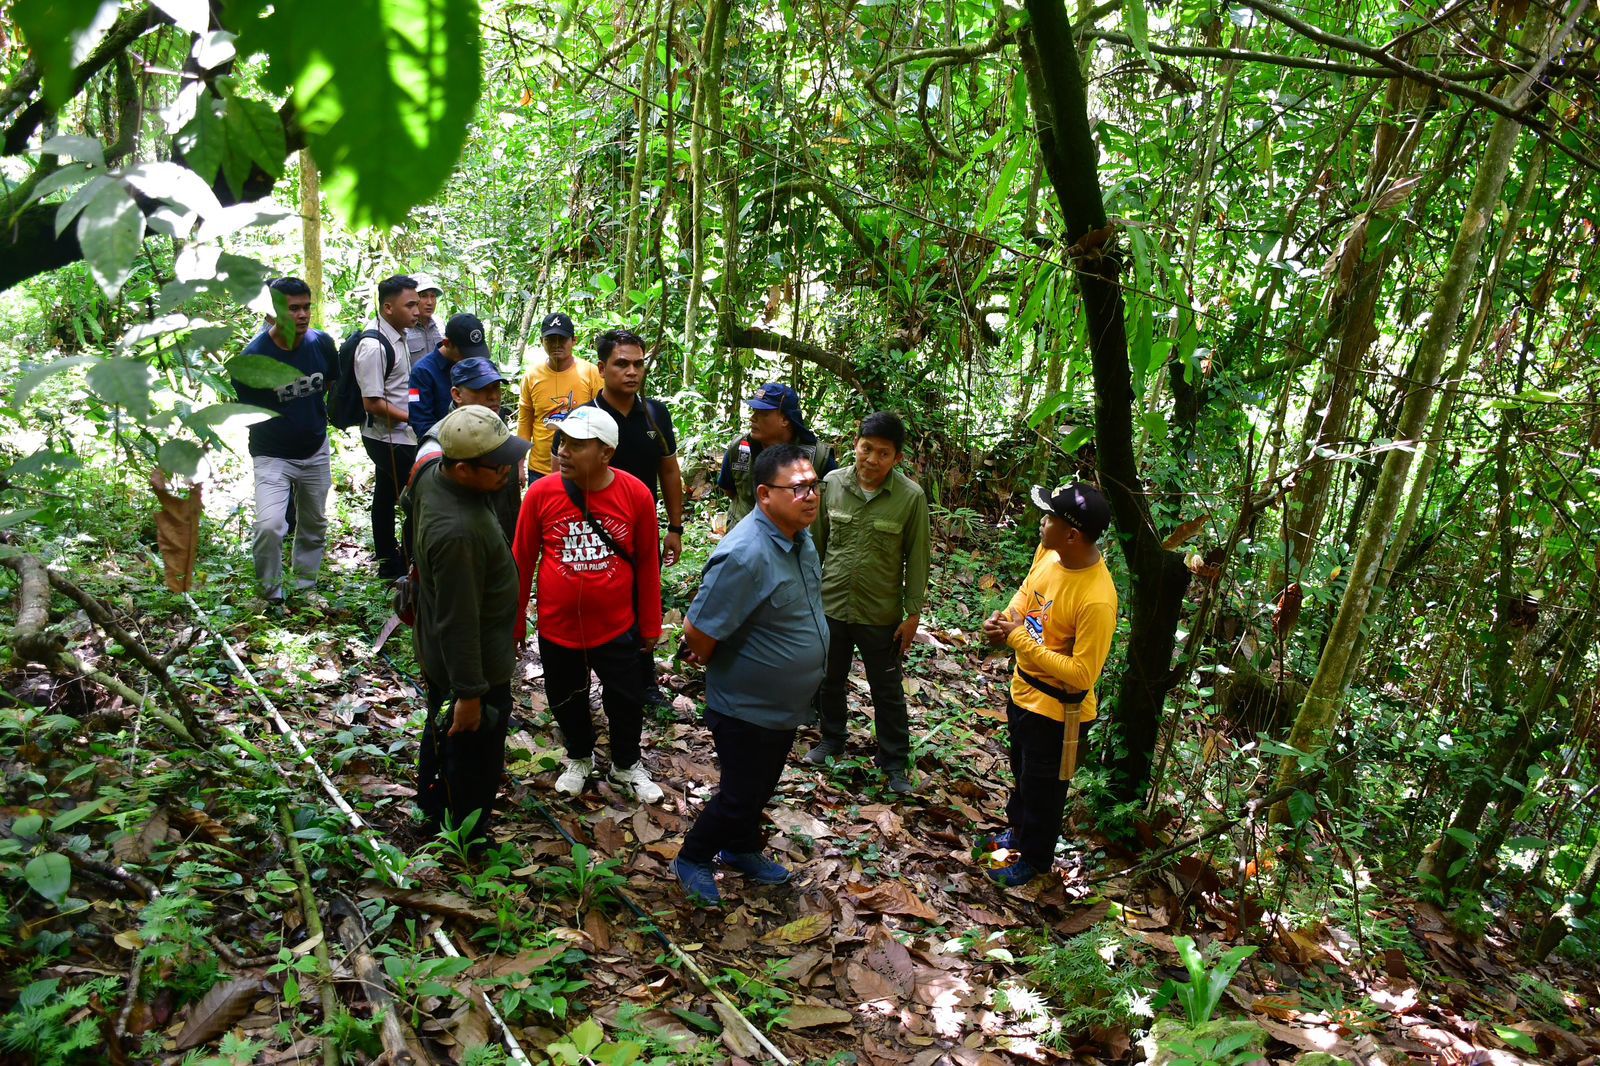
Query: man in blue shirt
x,y
289,452
758,625
429,399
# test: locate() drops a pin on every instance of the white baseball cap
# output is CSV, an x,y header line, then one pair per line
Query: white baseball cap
x,y
426,282
587,423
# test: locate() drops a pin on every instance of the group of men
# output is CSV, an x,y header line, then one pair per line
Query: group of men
x,y
819,562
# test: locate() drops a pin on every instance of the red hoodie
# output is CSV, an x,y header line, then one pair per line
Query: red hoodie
x,y
586,592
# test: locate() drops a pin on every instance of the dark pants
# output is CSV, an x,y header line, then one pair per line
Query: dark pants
x,y
1039,797
461,774
392,465
752,759
882,659
566,686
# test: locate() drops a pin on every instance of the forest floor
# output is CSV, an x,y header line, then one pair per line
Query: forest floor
x,y
891,945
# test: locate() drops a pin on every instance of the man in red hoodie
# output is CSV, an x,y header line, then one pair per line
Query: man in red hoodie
x,y
590,535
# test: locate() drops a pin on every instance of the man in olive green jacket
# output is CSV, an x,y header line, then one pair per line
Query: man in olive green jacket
x,y
466,617
872,532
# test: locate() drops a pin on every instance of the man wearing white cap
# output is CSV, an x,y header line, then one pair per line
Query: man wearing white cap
x,y
465,613
590,535
425,335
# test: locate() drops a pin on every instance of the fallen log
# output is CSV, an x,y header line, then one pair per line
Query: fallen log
x,y
400,1045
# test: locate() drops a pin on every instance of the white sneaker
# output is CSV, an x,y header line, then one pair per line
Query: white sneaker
x,y
637,780
576,773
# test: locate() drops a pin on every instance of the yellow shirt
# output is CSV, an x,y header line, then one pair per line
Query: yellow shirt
x,y
546,392
1068,618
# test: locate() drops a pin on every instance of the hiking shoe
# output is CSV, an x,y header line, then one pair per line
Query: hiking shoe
x,y
900,784
574,775
636,779
1004,841
1015,875
699,882
756,866
821,753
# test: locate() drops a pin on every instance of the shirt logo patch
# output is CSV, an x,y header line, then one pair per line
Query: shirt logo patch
x,y
414,395
582,550
1034,618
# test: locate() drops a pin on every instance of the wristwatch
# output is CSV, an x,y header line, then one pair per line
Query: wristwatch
x,y
674,529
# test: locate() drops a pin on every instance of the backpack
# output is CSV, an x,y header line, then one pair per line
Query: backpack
x,y
344,406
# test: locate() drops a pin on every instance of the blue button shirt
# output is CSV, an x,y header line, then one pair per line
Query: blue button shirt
x,y
430,392
760,599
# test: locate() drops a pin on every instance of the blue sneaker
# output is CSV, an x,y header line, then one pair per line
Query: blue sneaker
x,y
1007,840
756,866
1016,875
699,882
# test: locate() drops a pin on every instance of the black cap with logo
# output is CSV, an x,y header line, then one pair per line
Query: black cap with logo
x,y
1080,505
466,333
556,324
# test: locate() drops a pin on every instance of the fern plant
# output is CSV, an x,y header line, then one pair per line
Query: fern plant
x,y
37,1028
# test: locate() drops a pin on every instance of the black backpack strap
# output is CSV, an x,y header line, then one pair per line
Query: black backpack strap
x,y
1054,691
575,494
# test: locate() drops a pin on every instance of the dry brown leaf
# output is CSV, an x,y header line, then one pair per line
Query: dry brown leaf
x,y
801,930
215,1014
643,828
869,985
525,963
448,904
136,847
809,1016
887,956
891,897
791,822
1182,535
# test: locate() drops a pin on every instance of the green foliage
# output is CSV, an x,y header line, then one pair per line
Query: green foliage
x,y
1232,1050
586,882
1200,994
1091,981
38,1026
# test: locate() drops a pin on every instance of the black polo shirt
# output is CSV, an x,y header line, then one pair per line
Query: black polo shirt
x,y
640,445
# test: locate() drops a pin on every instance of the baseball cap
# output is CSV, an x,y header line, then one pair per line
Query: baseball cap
x,y
466,333
1080,505
477,433
426,282
774,397
556,324
475,372
587,423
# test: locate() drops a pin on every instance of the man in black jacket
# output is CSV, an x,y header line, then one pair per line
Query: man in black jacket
x,y
466,614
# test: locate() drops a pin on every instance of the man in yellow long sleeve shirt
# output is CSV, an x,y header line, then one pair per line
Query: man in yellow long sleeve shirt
x,y
1060,625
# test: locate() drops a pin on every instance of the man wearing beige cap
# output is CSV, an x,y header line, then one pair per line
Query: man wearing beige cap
x,y
590,535
466,611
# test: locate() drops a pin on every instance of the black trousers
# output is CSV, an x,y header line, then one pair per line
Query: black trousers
x,y
752,759
882,659
392,465
461,774
566,686
1039,797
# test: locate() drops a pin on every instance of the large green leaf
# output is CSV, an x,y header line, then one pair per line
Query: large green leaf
x,y
36,377
61,34
180,457
384,90
124,382
260,371
230,135
1136,20
50,875
110,231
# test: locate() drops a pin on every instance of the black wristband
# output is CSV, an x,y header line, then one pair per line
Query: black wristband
x,y
674,529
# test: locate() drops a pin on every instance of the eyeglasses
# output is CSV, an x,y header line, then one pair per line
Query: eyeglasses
x,y
801,491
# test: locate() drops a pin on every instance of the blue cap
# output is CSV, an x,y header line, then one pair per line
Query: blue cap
x,y
774,397
475,372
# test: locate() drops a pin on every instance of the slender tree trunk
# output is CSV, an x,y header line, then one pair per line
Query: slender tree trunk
x,y
311,232
1158,577
641,163
1318,713
707,94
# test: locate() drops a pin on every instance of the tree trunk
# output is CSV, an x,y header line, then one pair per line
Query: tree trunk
x,y
1320,710
707,94
1158,577
641,160
311,231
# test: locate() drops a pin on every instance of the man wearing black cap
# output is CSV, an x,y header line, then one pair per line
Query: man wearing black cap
x,y
430,375
554,386
1060,625
775,418
466,614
